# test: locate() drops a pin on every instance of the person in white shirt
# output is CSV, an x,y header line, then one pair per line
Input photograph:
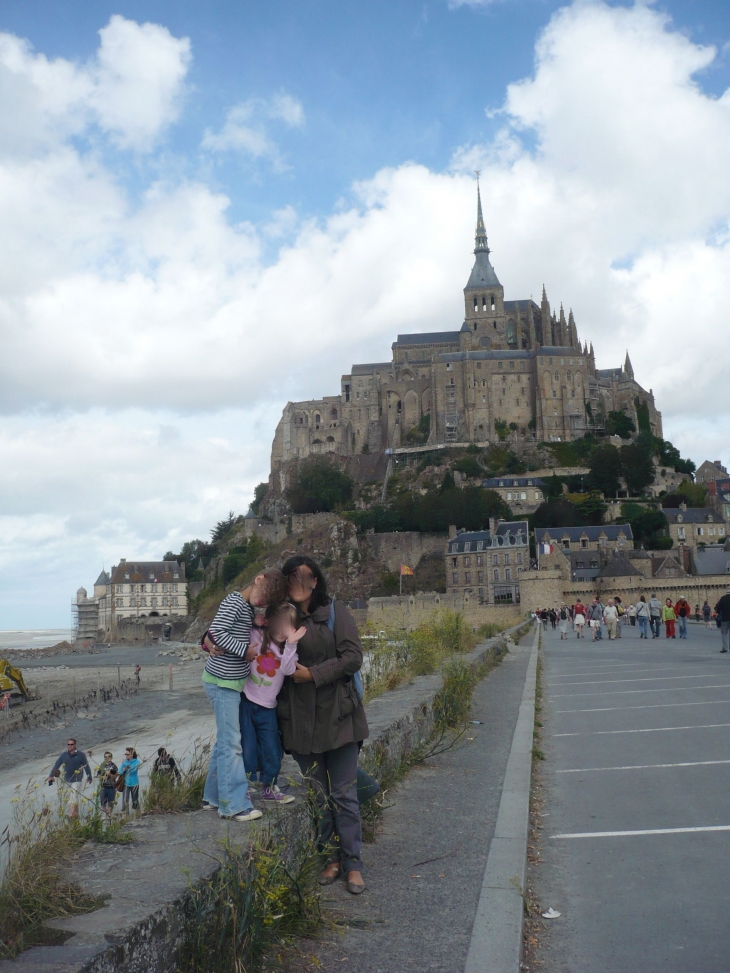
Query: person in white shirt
x,y
610,615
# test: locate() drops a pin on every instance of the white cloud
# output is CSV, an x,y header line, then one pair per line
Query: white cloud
x,y
165,306
245,127
131,89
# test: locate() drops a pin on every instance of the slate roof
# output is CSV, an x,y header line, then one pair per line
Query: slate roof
x,y
692,515
508,533
618,566
611,532
429,338
513,481
103,579
713,560
142,572
482,273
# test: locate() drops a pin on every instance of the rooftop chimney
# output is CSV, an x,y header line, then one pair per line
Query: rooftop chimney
x,y
452,531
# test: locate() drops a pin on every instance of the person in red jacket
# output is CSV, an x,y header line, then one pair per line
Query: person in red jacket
x,y
579,619
682,610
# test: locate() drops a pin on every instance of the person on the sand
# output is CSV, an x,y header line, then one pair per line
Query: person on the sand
x,y
75,764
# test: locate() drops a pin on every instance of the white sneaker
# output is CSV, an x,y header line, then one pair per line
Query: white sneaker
x,y
209,807
253,815
272,793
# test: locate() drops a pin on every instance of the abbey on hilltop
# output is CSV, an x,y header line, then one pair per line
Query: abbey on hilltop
x,y
514,368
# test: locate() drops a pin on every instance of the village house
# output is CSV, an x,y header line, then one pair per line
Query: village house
x,y
692,526
487,563
522,494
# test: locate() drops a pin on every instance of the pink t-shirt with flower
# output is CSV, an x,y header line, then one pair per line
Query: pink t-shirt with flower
x,y
268,670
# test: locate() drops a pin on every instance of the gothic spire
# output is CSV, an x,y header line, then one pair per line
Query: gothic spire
x,y
480,237
572,331
628,368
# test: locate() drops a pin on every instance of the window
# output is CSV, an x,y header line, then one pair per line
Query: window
x,y
347,394
507,574
454,562
467,562
506,558
579,564
467,577
480,545
594,562
538,495
480,560
519,557
495,558
699,532
120,589
481,592
143,602
566,543
509,496
681,534
496,574
153,601
455,578
584,542
480,577
557,376
523,496
467,545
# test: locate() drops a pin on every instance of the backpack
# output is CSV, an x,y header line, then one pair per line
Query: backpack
x,y
682,612
563,613
357,677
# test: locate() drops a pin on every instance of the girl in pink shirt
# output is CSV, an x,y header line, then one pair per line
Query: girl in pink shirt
x,y
275,645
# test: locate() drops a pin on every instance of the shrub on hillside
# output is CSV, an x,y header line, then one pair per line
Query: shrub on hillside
x,y
318,485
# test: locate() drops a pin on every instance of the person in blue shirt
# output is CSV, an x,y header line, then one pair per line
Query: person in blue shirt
x,y
129,769
74,764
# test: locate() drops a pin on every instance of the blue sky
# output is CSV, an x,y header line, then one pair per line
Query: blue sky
x,y
207,210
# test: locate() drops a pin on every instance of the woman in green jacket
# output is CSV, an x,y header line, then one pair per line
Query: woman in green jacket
x,y
669,617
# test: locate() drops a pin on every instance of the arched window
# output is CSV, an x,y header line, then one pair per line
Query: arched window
x,y
484,304
333,414
491,298
476,304
557,376
570,376
317,419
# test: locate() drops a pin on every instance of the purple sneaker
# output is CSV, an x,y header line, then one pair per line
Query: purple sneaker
x,y
270,792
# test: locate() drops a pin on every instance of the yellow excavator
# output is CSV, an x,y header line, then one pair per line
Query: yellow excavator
x,y
11,681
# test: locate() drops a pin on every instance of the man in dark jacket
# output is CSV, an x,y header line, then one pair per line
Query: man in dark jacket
x,y
74,763
723,613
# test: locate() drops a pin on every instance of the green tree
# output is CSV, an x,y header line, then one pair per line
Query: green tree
x,y
501,428
591,507
619,424
642,415
258,495
223,527
318,485
468,466
637,467
647,524
449,482
557,513
605,470
418,435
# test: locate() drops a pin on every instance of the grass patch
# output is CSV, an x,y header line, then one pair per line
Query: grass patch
x,y
166,795
397,660
34,855
263,897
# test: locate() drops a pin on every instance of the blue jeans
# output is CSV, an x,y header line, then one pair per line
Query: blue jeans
x,y
643,625
656,625
226,786
261,743
682,623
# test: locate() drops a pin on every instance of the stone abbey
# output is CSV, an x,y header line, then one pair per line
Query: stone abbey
x,y
513,368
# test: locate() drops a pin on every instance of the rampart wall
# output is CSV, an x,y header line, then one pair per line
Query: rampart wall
x,y
409,611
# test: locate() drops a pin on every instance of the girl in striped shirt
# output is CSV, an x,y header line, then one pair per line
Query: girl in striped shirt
x,y
227,640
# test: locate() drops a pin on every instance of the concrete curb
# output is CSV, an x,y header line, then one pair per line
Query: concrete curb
x,y
496,939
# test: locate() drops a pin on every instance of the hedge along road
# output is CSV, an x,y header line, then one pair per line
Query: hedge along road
x,y
636,837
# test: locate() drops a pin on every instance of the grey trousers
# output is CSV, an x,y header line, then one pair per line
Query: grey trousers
x,y
333,777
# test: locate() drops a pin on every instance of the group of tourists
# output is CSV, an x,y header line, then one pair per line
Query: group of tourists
x,y
73,771
649,616
282,675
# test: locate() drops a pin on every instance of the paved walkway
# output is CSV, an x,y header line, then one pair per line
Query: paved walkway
x,y
426,870
636,836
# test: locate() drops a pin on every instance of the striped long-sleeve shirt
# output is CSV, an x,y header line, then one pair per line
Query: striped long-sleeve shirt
x,y
231,629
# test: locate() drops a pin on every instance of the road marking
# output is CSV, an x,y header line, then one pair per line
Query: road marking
x,y
608,682
696,763
628,692
631,673
629,834
611,709
653,729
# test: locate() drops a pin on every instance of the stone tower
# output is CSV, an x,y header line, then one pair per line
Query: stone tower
x,y
484,316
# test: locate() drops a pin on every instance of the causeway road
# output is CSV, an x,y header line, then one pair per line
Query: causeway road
x,y
636,827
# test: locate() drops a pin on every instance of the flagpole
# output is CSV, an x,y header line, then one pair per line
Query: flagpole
x,y
400,578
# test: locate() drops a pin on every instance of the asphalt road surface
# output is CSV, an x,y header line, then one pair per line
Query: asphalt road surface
x,y
636,839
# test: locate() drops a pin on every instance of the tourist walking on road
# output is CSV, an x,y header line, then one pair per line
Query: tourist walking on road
x,y
595,617
227,640
682,610
655,616
579,619
723,613
564,622
697,613
322,718
129,771
669,617
621,614
642,615
75,764
707,613
610,615
107,791
631,614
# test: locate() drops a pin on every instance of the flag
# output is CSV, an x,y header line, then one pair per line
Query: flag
x,y
404,569
546,548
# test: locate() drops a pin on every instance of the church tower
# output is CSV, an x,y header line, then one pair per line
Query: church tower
x,y
484,317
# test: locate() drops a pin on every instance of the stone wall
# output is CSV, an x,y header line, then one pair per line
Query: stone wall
x,y
404,547
149,629
539,589
409,611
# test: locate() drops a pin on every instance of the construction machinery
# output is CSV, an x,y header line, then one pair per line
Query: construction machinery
x,y
12,683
